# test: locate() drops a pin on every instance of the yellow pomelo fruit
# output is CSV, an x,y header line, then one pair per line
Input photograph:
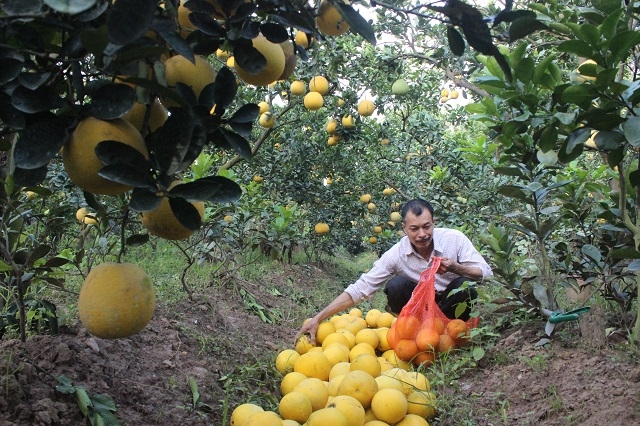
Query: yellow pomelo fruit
x,y
298,88
329,21
303,344
388,191
422,404
400,374
383,344
348,122
355,324
377,229
290,59
336,353
334,384
396,217
79,158
365,198
285,360
116,300
372,317
321,228
295,406
371,206
332,126
376,423
384,365
257,178
179,69
368,363
340,369
275,63
385,319
228,218
373,240
85,217
325,328
351,338
183,19
313,101
267,120
419,381
315,349
231,62
264,107
163,223
368,336
359,349
392,357
366,108
356,312
453,94
319,84
316,391
157,116
412,420
384,141
302,39
243,411
388,382
290,381
336,338
333,140
288,422
222,54
313,364
326,417
389,405
359,385
350,407
265,418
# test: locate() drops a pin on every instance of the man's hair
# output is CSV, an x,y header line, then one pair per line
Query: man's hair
x,y
417,207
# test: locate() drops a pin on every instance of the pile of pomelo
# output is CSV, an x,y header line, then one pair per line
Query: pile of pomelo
x,y
350,377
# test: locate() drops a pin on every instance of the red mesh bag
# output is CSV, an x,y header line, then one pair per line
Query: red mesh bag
x,y
422,330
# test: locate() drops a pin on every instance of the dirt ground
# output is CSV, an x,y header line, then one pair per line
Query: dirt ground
x,y
224,348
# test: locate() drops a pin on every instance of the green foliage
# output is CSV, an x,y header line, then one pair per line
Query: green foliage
x,y
98,409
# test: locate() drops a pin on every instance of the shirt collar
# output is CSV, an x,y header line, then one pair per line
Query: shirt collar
x,y
407,248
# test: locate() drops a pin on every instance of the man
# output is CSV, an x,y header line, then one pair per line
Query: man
x,y
406,260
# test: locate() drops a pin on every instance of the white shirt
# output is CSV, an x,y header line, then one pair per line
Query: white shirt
x,y
403,260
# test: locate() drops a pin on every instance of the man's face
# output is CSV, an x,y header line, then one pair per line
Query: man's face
x,y
419,229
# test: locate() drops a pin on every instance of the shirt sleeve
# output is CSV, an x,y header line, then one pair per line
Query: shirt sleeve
x,y
373,280
468,255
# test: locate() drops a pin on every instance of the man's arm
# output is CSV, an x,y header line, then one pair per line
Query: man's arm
x,y
450,265
340,303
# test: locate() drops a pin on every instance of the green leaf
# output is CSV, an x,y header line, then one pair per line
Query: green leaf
x,y
185,212
592,252
590,33
39,142
216,189
456,42
625,253
522,27
195,395
548,138
4,266
631,129
577,47
541,68
582,95
112,101
357,23
514,191
84,402
525,70
621,45
71,7
129,20
33,101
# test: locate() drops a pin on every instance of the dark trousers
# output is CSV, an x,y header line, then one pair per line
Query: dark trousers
x,y
399,289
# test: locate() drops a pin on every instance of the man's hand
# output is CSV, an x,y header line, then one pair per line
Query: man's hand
x,y
310,328
448,265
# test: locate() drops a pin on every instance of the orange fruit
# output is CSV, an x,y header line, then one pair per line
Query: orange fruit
x,y
458,330
406,349
406,327
392,338
446,343
427,339
425,358
434,323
